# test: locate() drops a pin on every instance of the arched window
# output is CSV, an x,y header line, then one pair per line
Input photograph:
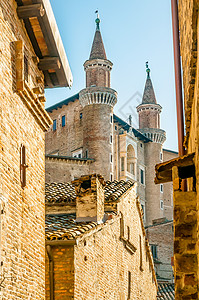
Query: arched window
x,y
131,159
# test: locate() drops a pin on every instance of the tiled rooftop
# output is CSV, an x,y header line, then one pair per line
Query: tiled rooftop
x,y
65,192
166,291
64,227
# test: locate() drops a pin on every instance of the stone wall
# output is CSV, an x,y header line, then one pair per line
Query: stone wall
x,y
186,251
23,211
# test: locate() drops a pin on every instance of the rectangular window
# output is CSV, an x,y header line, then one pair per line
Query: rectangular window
x,y
54,125
161,204
86,154
63,121
23,166
80,116
132,168
77,153
154,251
111,139
111,158
115,127
111,177
142,176
129,285
161,188
111,119
122,163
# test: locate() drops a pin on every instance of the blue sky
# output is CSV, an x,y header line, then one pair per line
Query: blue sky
x,y
133,32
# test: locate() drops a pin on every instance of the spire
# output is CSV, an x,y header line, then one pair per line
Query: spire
x,y
97,50
149,95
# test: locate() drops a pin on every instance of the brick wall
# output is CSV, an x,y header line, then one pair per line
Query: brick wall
x,y
148,119
168,188
63,257
22,219
70,137
102,262
97,131
68,169
161,235
98,76
153,194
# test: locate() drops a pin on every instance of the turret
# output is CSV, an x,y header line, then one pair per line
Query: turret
x,y
149,113
98,100
149,125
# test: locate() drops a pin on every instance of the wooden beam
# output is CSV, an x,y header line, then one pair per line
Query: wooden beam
x,y
48,63
184,163
30,11
37,90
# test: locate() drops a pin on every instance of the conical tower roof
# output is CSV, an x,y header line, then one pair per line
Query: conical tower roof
x,y
98,50
149,94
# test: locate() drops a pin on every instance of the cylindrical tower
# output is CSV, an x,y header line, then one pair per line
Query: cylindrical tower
x,y
149,125
98,100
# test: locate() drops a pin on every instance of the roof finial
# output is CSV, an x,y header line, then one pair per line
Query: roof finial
x,y
147,69
97,21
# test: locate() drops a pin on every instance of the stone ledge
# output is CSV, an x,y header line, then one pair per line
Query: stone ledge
x,y
35,107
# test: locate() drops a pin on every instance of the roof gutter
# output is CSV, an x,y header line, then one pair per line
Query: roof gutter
x,y
178,77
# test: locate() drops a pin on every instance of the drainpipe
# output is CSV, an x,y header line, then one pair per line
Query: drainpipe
x,y
51,271
178,83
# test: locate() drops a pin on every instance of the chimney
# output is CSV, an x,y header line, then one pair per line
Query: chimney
x,y
90,198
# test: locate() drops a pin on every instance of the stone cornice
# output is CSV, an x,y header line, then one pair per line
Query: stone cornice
x,y
93,63
156,135
151,106
35,107
98,95
75,160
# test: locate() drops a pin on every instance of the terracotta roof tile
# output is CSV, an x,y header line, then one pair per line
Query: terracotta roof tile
x,y
166,291
64,227
65,192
